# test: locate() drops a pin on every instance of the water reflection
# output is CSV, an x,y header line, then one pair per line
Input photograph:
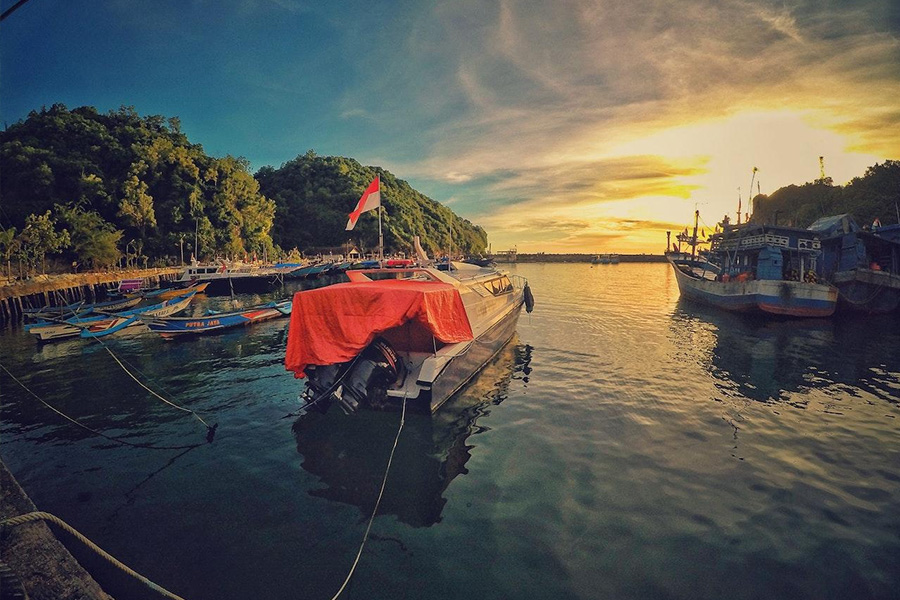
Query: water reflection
x,y
768,360
349,453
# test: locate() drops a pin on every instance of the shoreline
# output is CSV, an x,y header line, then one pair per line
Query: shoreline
x,y
541,257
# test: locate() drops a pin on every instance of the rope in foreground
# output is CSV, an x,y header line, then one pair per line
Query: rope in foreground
x,y
43,516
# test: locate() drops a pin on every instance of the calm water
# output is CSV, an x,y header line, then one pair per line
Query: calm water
x,y
626,445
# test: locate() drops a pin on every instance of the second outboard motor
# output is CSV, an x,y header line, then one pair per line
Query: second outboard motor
x,y
321,384
377,368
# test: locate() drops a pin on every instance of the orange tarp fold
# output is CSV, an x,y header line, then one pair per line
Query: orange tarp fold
x,y
333,324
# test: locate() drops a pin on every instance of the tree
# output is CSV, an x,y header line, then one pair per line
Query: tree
x,y
40,238
136,207
94,240
9,245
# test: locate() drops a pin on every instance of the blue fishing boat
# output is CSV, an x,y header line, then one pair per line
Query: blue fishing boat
x,y
171,327
301,272
756,268
80,309
105,323
864,266
365,264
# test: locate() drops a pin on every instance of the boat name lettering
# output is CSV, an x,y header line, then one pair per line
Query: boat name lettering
x,y
202,323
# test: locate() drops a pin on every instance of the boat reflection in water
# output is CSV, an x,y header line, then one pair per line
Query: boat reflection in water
x,y
769,360
349,453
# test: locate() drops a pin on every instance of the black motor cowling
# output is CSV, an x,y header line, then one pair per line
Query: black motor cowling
x,y
362,381
377,368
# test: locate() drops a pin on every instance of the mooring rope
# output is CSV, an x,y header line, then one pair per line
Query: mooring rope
x,y
377,502
85,427
209,428
43,516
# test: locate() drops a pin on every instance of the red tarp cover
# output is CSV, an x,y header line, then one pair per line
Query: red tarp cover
x,y
333,324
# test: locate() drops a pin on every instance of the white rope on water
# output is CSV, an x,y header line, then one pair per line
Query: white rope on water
x,y
141,383
377,502
85,427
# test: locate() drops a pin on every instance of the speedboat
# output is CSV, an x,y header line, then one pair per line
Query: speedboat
x,y
392,336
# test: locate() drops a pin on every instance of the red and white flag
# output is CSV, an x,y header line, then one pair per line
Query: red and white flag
x,y
371,199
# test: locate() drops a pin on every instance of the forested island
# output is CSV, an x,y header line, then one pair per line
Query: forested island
x,y
92,190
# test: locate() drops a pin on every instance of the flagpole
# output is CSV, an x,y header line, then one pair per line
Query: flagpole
x,y
380,235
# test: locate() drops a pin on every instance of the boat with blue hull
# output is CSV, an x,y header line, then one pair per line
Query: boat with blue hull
x,y
80,309
217,321
863,265
756,268
100,325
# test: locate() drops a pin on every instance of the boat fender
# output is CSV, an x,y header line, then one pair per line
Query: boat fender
x,y
211,432
529,298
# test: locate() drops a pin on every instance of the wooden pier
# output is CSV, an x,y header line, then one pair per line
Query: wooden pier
x,y
59,290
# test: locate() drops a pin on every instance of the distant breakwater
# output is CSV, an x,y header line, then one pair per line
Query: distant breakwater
x,y
582,258
59,290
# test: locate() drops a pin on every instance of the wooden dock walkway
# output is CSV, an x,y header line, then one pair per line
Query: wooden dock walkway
x,y
59,290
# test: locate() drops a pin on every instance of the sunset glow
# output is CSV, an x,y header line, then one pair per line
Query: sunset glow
x,y
559,127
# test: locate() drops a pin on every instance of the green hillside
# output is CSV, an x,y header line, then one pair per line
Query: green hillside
x,y
119,182
313,196
875,195
91,187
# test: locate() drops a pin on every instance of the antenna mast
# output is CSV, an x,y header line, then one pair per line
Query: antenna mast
x,y
750,193
822,178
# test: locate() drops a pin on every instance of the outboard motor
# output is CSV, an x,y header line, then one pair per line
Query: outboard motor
x,y
364,380
377,368
322,381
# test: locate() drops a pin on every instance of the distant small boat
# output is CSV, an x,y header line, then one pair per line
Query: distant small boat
x,y
365,264
104,324
399,263
177,326
605,259
235,277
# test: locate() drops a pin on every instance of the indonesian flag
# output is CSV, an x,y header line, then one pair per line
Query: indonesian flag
x,y
371,199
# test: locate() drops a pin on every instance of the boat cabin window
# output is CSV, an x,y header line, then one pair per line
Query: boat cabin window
x,y
498,286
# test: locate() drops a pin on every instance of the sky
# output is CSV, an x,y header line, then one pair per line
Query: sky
x,y
581,126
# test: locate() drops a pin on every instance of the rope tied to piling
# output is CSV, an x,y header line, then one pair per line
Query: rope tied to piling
x,y
33,517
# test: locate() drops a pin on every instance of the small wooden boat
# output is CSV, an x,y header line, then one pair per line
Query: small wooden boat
x,y
197,287
301,272
177,326
104,324
80,309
